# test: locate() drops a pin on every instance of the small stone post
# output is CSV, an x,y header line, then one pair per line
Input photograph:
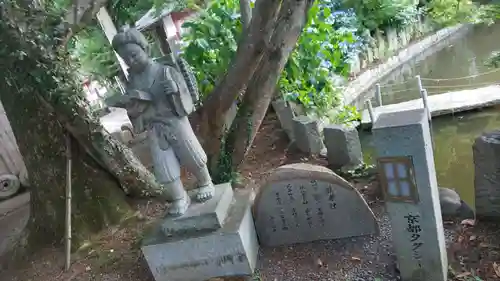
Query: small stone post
x,y
408,181
308,135
285,115
343,146
486,155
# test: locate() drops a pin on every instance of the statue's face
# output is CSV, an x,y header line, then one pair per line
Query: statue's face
x,y
134,56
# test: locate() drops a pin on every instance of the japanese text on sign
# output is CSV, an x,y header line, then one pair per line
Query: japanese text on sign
x,y
331,197
415,231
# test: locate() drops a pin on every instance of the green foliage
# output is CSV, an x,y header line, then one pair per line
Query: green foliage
x,y
127,11
494,60
381,14
32,64
450,12
225,171
95,54
319,54
211,42
347,115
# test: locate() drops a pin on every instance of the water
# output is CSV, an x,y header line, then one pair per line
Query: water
x,y
459,65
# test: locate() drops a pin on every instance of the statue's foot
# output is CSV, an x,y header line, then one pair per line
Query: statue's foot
x,y
179,207
205,193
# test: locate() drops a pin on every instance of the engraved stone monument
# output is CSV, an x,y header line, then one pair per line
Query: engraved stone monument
x,y
408,181
213,236
303,202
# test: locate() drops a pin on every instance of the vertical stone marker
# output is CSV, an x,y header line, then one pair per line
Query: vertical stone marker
x,y
303,202
408,180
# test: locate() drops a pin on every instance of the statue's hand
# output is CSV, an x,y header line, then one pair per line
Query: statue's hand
x,y
136,108
169,84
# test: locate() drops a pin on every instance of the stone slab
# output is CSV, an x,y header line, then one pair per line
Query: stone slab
x,y
14,203
208,215
303,202
229,251
443,104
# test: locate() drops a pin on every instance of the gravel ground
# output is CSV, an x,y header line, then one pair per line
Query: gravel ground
x,y
350,259
359,258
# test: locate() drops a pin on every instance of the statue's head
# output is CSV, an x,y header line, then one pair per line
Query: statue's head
x,y
132,47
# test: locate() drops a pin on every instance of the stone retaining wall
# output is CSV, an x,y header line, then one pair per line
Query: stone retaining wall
x,y
383,50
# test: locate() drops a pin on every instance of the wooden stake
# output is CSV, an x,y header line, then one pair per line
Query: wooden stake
x,y
68,203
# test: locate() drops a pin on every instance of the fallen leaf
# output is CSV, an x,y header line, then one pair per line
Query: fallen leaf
x,y
484,245
319,262
472,237
463,274
496,267
468,222
460,239
355,259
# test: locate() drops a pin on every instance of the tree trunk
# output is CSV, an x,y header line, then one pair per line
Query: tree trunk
x,y
261,89
43,99
249,53
246,14
97,198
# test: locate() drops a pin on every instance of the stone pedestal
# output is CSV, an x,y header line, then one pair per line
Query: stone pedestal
x,y
343,146
213,239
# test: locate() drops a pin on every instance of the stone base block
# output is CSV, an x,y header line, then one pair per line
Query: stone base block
x,y
209,215
229,251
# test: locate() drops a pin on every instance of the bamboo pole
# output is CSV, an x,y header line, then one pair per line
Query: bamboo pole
x,y
68,203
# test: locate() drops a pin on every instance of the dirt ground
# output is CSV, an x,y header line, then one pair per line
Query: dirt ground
x,y
115,256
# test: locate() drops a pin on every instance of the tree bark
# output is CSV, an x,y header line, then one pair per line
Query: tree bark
x,y
261,89
248,55
97,199
43,100
246,14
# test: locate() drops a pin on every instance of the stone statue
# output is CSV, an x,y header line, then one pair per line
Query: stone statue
x,y
158,101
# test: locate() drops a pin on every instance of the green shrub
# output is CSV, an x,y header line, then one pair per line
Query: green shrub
x,y
211,41
381,14
450,12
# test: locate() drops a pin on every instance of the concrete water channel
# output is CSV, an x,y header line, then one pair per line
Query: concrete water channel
x,y
458,63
